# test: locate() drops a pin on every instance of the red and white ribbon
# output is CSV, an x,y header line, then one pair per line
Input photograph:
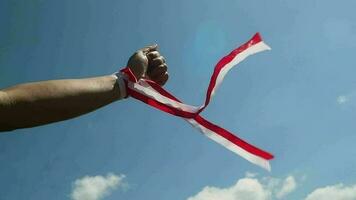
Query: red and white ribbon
x,y
154,95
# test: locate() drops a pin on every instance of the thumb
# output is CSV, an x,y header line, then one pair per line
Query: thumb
x,y
150,48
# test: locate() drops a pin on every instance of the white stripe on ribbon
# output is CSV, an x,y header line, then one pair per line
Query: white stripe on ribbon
x,y
142,87
231,146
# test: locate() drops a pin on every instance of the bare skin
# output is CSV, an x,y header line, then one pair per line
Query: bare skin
x,y
38,103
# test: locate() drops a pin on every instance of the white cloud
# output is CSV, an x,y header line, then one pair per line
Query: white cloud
x,y
249,188
342,99
250,175
288,186
347,98
244,189
96,187
334,192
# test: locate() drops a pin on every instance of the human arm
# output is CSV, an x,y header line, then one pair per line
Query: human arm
x,y
33,104
38,103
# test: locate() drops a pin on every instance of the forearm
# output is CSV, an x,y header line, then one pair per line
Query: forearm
x,y
38,103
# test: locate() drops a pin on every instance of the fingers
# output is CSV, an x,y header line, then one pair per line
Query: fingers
x,y
156,72
163,79
153,54
157,61
159,74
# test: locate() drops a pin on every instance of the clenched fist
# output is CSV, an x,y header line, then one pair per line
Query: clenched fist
x,y
148,63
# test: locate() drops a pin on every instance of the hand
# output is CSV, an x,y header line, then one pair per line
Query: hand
x,y
148,63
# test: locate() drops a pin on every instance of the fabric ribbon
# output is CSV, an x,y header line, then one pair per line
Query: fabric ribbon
x,y
154,95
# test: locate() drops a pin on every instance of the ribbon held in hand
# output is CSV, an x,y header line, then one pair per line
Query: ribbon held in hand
x,y
154,95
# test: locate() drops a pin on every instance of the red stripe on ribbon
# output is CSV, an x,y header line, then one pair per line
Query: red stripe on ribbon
x,y
163,107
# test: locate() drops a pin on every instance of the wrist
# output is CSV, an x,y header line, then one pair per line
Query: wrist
x,y
121,84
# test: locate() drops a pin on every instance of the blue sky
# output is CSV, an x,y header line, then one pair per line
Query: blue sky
x,y
297,101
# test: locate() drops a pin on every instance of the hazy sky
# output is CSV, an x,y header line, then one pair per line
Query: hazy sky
x,y
297,101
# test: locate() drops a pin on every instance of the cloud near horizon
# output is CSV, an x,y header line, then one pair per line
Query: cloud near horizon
x,y
334,192
269,188
96,187
250,188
